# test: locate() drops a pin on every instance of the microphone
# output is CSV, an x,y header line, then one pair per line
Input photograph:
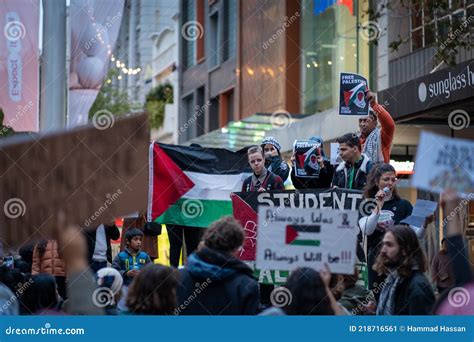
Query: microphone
x,y
388,193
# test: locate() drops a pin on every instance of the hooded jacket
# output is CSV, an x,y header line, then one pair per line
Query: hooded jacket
x,y
214,283
362,169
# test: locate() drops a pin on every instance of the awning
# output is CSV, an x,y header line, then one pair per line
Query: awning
x,y
283,126
432,98
249,131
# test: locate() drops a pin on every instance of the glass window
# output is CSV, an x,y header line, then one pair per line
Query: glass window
x,y
214,114
330,45
417,39
416,16
430,35
230,28
189,131
443,28
200,112
189,45
213,42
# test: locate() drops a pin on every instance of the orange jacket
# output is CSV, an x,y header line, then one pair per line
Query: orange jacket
x,y
50,262
387,130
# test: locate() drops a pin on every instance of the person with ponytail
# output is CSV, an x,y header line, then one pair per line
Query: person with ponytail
x,y
380,193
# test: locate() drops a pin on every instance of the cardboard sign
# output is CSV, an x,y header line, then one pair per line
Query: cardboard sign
x,y
307,238
352,90
306,154
245,206
335,157
92,174
442,163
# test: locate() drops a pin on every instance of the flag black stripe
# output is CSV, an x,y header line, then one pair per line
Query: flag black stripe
x,y
208,160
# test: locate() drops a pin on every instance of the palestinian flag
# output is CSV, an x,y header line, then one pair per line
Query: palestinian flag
x,y
191,186
299,235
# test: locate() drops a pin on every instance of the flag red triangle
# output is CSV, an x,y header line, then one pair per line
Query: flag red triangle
x,y
248,218
347,97
291,235
170,182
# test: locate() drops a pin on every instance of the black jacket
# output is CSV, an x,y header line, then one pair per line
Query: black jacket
x,y
214,283
414,296
323,182
111,233
362,169
271,182
277,166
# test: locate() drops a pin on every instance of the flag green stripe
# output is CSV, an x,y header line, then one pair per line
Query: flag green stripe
x,y
195,213
306,243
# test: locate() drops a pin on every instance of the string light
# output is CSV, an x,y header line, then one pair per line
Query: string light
x,y
123,68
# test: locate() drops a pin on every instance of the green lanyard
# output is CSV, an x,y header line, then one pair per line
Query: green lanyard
x,y
350,179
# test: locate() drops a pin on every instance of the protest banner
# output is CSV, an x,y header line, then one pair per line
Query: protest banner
x,y
92,174
292,238
245,208
306,154
352,89
442,163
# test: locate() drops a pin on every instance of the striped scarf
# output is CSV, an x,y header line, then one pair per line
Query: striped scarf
x,y
373,146
386,304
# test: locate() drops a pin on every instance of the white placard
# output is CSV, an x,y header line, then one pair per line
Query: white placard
x,y
291,238
442,163
335,157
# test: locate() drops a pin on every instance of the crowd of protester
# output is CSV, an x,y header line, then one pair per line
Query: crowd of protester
x,y
70,273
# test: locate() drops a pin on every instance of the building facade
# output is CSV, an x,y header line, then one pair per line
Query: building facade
x,y
133,54
165,64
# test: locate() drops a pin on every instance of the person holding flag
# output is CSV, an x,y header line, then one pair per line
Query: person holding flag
x,y
376,142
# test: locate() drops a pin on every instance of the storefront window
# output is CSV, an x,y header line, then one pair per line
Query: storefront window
x,y
331,45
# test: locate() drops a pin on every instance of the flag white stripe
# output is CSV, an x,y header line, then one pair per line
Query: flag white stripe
x,y
214,187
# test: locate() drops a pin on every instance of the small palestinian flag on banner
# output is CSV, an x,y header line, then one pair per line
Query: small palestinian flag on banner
x,y
191,186
300,235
